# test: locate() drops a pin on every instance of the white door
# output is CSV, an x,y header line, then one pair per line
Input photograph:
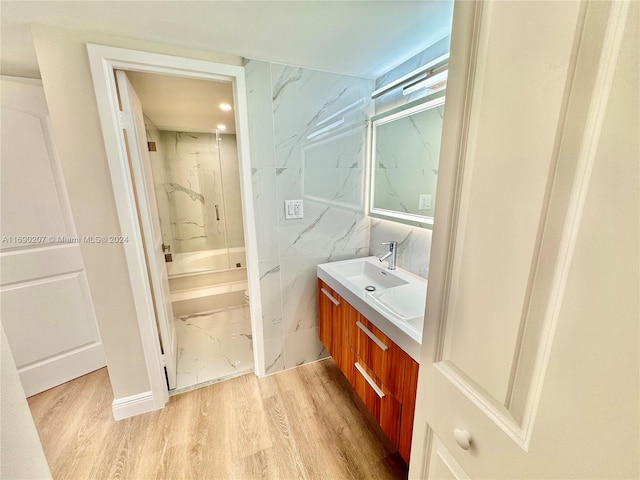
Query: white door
x,y
142,176
529,367
46,306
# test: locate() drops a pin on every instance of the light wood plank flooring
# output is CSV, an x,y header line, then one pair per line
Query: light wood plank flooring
x,y
302,423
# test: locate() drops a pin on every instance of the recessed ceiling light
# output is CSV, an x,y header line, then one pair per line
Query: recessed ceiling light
x,y
225,106
221,127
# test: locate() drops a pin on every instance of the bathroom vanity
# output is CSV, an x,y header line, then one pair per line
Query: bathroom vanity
x,y
370,321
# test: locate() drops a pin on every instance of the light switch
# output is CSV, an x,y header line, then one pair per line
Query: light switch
x,y
424,202
293,209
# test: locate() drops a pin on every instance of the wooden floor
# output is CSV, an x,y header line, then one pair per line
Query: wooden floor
x,y
302,423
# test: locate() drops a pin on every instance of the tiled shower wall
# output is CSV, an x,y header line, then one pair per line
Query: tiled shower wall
x,y
190,181
414,244
308,138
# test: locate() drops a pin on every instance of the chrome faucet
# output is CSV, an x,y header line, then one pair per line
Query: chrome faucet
x,y
391,255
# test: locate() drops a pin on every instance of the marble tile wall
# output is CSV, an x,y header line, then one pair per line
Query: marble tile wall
x,y
308,137
190,181
414,244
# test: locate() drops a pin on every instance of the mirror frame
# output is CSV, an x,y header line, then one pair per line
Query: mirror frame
x,y
397,113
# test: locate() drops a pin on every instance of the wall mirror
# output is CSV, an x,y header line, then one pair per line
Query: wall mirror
x,y
405,150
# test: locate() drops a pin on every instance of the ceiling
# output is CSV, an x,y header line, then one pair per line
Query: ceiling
x,y
184,104
362,38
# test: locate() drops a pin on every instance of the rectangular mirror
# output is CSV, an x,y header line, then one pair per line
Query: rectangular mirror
x,y
405,152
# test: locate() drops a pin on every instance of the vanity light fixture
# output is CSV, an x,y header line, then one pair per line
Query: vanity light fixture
x,y
434,84
221,127
225,107
422,73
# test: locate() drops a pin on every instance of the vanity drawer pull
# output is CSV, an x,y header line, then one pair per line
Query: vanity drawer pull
x,y
371,335
369,380
328,295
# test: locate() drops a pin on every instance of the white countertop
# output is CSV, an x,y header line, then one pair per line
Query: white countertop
x,y
402,323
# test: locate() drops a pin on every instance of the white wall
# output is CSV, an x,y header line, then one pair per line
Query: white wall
x,y
68,86
21,454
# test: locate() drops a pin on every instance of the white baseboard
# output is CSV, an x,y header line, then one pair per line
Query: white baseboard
x,y
133,405
57,370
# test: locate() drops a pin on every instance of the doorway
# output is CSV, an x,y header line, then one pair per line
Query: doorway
x,y
191,139
134,207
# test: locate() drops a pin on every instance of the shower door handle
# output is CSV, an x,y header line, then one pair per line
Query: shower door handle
x,y
217,214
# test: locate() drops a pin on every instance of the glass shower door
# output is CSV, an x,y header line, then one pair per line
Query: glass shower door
x,y
194,222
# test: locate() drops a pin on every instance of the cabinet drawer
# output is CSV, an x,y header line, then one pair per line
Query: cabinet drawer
x,y
382,404
325,315
379,353
332,322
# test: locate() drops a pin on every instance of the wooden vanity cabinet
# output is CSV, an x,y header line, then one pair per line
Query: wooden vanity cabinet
x,y
333,312
384,357
408,400
380,401
381,373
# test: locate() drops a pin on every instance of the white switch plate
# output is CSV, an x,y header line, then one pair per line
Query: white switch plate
x,y
293,209
425,202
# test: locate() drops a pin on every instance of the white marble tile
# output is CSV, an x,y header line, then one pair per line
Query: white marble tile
x,y
212,346
414,244
274,355
326,172
299,300
299,287
265,208
271,298
326,227
303,347
303,99
260,109
198,177
231,190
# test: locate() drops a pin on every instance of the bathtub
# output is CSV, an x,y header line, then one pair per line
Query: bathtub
x,y
206,260
207,281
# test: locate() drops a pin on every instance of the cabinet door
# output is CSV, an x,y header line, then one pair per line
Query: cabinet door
x,y
332,326
384,357
325,311
382,404
408,407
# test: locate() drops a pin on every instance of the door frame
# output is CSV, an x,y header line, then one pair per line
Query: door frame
x,y
104,60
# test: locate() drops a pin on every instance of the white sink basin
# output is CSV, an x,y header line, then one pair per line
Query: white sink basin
x,y
406,303
395,304
367,274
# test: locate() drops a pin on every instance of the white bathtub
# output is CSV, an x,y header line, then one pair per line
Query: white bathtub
x,y
204,261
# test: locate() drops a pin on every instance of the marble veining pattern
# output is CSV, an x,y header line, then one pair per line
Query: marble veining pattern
x,y
212,346
414,244
193,173
293,159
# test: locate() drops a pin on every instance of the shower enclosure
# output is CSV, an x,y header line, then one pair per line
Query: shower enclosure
x,y
197,182
198,191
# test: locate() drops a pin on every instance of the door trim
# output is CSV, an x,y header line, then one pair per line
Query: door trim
x,y
103,61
